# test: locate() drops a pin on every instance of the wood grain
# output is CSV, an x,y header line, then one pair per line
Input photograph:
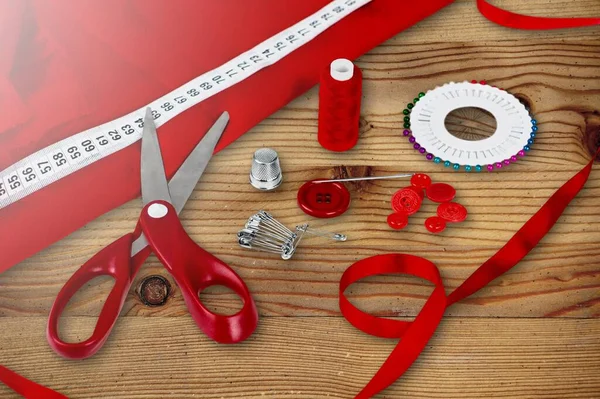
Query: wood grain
x,y
555,280
166,357
532,333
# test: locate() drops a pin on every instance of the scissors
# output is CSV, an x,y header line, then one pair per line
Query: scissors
x,y
159,230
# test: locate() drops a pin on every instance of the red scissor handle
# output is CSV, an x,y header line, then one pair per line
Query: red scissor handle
x,y
194,270
115,261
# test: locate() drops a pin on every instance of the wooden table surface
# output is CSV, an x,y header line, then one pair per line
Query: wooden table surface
x,y
532,333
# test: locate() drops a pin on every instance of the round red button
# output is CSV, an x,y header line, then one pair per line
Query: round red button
x,y
452,212
397,220
440,192
407,200
420,180
435,224
323,200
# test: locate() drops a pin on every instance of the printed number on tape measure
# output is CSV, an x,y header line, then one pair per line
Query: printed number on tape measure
x,y
58,160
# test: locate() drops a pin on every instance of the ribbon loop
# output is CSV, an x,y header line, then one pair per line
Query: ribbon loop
x,y
415,335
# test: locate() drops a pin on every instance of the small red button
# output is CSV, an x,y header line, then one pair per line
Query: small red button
x,y
420,180
435,224
440,192
397,220
323,200
452,212
407,200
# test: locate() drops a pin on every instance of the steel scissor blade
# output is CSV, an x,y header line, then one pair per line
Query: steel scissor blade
x,y
154,181
186,178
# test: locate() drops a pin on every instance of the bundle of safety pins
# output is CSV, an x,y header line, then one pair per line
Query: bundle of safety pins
x,y
265,233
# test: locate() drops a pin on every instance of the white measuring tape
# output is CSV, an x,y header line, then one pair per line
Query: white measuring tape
x,y
67,156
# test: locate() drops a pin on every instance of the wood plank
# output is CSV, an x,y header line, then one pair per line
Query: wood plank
x,y
498,204
554,281
313,358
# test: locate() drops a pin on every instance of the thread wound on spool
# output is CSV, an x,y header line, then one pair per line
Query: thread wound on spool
x,y
339,105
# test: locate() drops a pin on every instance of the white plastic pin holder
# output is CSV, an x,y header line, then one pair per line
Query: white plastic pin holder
x,y
426,131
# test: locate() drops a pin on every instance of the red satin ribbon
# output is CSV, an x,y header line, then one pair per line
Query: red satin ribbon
x,y
517,21
26,388
415,335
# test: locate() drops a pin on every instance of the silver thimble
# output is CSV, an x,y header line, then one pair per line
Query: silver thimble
x,y
266,171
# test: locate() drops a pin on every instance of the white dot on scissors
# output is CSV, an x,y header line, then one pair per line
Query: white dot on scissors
x,y
157,211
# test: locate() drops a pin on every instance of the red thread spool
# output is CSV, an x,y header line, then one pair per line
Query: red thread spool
x,y
339,105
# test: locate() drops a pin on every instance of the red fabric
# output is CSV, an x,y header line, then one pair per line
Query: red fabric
x,y
415,335
71,65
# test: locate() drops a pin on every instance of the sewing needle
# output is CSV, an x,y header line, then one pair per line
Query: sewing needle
x,y
365,178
